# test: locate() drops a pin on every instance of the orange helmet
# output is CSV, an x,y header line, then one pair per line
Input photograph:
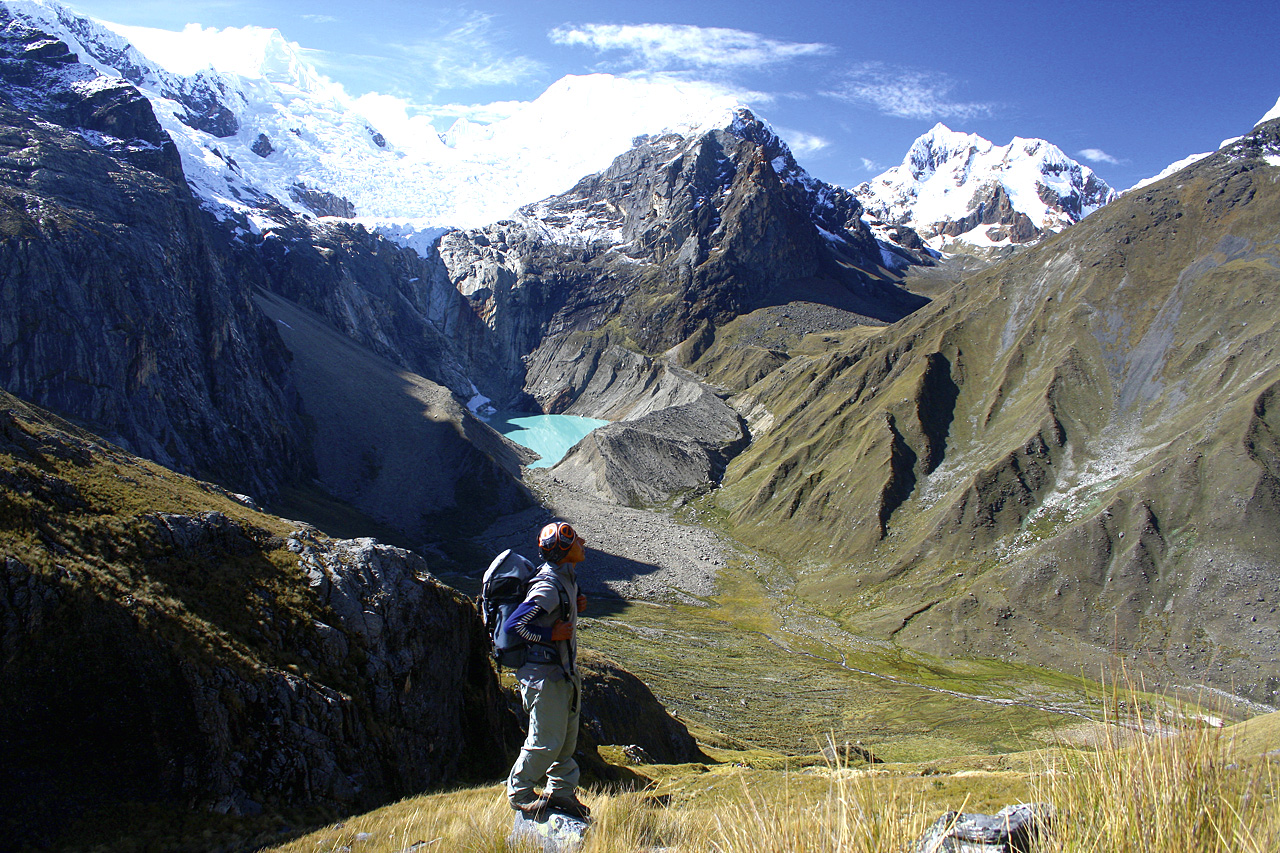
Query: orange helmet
x,y
560,543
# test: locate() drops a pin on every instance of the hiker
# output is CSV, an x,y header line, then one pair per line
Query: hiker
x,y
550,685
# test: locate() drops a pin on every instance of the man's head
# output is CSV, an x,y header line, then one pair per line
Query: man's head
x,y
560,543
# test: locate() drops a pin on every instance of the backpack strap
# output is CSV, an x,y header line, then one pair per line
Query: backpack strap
x,y
548,573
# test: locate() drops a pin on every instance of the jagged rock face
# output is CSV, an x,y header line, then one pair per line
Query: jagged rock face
x,y
1072,454
321,203
118,301
677,234
383,296
209,660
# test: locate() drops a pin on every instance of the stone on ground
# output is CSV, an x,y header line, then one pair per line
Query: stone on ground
x,y
1013,829
555,831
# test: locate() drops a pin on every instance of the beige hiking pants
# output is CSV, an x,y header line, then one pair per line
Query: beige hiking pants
x,y
548,749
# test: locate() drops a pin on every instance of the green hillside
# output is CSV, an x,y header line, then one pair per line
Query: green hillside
x,y
1072,454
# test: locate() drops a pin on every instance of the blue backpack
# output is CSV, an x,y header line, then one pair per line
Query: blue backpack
x,y
504,587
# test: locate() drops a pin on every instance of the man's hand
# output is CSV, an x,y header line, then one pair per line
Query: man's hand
x,y
582,602
561,630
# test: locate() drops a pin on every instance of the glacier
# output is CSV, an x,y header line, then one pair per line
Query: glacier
x,y
277,131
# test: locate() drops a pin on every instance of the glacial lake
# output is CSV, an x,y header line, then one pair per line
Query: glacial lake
x,y
549,436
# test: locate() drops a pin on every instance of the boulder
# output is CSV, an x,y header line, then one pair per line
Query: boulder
x,y
1013,829
619,708
553,831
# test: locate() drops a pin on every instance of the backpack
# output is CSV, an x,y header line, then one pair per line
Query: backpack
x,y
504,587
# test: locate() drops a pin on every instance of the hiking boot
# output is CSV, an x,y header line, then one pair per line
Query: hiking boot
x,y
569,804
532,808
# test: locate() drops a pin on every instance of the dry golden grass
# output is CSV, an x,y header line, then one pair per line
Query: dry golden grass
x,y
1159,781
1163,781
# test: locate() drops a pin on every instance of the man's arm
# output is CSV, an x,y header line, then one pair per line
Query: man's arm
x,y
520,622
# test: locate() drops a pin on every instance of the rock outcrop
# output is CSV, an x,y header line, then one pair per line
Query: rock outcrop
x,y
618,708
211,658
1013,829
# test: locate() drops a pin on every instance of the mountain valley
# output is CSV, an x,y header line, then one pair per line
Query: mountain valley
x,y
881,468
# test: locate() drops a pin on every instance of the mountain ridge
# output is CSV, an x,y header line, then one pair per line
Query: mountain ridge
x,y
1068,453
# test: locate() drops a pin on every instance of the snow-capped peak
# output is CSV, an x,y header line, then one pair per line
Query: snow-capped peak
x,y
256,123
938,146
961,187
1273,113
248,52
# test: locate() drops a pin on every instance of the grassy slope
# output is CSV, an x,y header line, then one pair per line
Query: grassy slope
x,y
1189,789
1070,455
78,509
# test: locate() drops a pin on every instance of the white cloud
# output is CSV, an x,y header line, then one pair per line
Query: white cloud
x,y
320,19
675,47
906,93
800,142
1097,155
871,166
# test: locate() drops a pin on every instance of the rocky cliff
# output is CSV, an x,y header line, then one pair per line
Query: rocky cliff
x,y
165,644
126,305
1069,456
120,304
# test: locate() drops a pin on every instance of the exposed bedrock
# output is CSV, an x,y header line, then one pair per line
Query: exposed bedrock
x,y
111,695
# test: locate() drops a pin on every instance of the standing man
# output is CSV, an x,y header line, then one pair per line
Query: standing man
x,y
550,685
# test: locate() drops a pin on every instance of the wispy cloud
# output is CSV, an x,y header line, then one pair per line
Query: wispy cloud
x,y
906,93
320,19
802,143
1097,155
871,166
467,53
674,47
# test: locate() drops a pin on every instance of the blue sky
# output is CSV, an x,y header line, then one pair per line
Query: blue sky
x,y
1126,87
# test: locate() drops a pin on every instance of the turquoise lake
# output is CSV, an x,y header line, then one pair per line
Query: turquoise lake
x,y
549,436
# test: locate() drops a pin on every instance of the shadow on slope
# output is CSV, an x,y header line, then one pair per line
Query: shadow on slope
x,y
396,446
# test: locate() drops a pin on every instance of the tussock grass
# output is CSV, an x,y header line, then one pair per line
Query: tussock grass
x,y
1162,780
1157,780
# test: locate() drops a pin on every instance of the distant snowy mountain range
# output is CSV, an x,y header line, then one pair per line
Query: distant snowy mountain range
x,y
960,188
257,126
252,118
